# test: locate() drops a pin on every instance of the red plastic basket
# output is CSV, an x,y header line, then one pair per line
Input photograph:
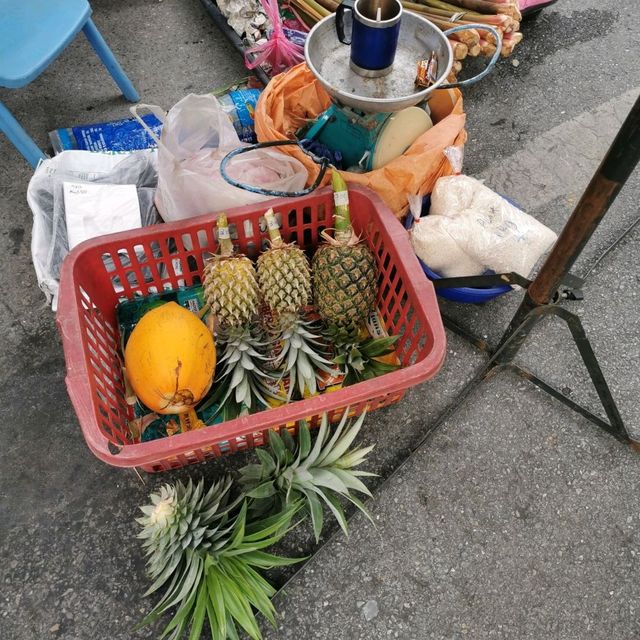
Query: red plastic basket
x,y
100,273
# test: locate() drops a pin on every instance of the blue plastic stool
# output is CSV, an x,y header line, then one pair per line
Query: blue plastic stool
x,y
33,33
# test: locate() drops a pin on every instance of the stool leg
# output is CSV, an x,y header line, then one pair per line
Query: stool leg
x,y
109,61
19,137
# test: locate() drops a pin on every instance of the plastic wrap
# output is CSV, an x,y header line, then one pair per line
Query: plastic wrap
x,y
489,233
278,52
293,98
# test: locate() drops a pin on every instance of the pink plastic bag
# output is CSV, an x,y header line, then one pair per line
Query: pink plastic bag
x,y
278,52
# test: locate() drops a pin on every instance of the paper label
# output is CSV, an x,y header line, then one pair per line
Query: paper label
x,y
93,210
223,233
193,305
272,223
341,198
375,325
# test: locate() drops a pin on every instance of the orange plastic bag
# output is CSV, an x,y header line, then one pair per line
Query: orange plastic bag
x,y
294,97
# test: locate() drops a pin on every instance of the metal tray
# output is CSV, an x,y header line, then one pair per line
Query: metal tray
x,y
328,59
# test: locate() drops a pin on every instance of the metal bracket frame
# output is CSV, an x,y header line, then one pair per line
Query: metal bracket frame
x,y
502,359
554,283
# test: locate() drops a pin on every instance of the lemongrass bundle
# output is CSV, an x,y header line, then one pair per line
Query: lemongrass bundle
x,y
509,42
330,5
506,7
311,9
500,18
487,48
475,50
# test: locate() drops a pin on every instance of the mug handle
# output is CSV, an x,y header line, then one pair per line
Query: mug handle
x,y
494,57
345,5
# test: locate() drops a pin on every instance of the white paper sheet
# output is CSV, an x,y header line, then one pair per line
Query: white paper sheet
x,y
93,210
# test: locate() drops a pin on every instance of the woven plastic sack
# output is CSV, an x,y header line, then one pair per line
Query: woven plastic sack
x,y
486,227
294,97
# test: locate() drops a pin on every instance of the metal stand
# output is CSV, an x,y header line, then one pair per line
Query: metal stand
x,y
546,290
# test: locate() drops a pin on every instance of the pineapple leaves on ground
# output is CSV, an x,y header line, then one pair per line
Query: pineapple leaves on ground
x,y
319,473
206,549
207,554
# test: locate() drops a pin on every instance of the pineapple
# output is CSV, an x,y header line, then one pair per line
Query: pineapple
x,y
344,270
230,285
283,273
232,293
285,282
202,550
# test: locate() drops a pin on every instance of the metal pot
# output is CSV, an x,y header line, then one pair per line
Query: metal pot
x,y
328,60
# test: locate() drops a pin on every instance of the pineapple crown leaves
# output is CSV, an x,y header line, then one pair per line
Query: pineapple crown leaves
x,y
318,473
182,517
357,355
217,574
303,354
341,238
244,376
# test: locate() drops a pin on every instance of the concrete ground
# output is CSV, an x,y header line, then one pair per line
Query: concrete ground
x,y
516,519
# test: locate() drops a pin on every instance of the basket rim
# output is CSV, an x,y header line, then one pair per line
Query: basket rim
x,y
419,288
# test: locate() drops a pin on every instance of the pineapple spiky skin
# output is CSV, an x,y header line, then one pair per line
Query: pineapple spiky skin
x,y
345,281
284,277
231,289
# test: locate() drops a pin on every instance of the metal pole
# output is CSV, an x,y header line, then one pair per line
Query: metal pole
x,y
615,169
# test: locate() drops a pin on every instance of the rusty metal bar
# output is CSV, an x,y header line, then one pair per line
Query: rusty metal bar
x,y
610,177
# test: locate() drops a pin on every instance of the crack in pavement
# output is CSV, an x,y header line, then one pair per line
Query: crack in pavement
x,y
560,162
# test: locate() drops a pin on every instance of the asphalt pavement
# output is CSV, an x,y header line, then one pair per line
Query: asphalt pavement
x,y
516,518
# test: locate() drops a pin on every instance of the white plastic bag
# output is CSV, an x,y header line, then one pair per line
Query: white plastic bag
x,y
45,195
196,135
488,228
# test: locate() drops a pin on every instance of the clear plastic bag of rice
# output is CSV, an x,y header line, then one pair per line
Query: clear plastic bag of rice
x,y
482,228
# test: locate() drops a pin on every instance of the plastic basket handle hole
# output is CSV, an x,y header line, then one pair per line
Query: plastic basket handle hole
x,y
114,449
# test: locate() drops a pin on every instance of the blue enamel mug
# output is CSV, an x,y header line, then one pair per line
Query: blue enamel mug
x,y
374,34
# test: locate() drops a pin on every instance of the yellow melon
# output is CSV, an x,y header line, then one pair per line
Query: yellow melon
x,y
170,359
